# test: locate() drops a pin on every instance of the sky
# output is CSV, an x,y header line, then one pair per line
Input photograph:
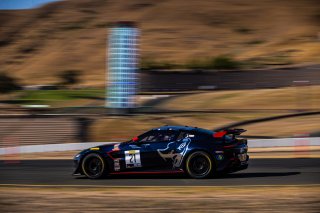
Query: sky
x,y
22,4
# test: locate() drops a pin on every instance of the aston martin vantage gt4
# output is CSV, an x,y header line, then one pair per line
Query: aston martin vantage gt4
x,y
198,152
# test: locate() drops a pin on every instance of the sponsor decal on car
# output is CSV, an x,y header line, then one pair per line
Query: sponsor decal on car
x,y
95,148
219,157
116,147
133,146
182,146
116,164
175,155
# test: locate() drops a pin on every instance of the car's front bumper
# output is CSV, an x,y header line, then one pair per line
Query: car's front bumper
x,y
76,164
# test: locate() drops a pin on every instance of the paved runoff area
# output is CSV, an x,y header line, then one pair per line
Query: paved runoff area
x,y
269,185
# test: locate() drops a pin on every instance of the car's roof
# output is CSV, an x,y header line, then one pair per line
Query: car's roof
x,y
184,128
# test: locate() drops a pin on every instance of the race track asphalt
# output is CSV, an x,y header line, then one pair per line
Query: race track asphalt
x,y
260,172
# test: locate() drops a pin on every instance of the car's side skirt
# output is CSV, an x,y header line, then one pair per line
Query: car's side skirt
x,y
148,172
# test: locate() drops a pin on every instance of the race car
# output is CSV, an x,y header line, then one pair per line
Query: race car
x,y
198,152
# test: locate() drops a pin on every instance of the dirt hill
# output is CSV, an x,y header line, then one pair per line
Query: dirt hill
x,y
37,44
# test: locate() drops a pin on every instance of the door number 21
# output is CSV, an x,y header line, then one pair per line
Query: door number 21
x,y
132,158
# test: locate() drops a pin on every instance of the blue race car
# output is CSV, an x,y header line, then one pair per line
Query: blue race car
x,y
198,152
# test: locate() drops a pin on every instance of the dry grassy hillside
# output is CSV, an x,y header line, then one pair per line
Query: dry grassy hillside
x,y
37,44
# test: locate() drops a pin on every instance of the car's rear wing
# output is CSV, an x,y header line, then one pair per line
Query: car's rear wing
x,y
224,132
235,131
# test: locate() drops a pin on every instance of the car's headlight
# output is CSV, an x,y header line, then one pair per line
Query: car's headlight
x,y
78,155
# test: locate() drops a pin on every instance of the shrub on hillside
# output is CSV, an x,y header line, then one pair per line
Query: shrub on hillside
x,y
8,83
196,64
69,77
148,64
219,62
224,62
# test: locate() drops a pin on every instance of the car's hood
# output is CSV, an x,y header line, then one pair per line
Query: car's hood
x,y
109,146
104,148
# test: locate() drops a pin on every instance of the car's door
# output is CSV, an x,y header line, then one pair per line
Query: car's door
x,y
139,154
163,142
144,152
175,151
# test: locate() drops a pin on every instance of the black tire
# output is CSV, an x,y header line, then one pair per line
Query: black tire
x,y
199,165
93,166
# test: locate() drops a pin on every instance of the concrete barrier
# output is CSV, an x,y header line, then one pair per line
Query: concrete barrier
x,y
50,147
284,142
258,143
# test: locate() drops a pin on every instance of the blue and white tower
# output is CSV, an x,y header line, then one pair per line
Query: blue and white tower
x,y
122,66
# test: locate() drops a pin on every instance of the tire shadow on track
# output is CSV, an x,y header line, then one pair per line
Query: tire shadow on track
x,y
184,176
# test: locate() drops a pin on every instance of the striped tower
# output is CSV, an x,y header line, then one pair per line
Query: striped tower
x,y
122,67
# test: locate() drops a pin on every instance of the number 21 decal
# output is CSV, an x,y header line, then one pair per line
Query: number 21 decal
x,y
132,158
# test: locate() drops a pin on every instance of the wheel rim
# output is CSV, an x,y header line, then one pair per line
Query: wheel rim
x,y
199,165
93,166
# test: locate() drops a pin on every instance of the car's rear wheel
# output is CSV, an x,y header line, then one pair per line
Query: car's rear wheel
x,y
93,166
199,165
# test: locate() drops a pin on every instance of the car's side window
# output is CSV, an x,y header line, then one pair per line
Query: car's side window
x,y
159,136
182,135
169,136
149,136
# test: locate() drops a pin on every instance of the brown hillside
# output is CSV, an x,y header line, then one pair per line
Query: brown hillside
x,y
37,44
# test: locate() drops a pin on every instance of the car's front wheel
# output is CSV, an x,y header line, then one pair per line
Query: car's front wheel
x,y
93,166
199,165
